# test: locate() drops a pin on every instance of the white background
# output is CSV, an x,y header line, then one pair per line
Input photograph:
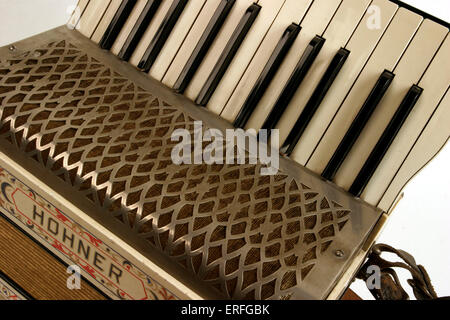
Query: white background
x,y
421,222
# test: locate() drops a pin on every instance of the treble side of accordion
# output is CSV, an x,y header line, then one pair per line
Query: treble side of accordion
x,y
86,170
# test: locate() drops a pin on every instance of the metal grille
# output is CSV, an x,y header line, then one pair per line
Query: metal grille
x,y
249,236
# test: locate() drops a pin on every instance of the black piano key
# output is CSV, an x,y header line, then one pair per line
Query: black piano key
x,y
162,35
358,125
314,102
117,23
202,47
385,141
139,29
228,54
277,57
294,82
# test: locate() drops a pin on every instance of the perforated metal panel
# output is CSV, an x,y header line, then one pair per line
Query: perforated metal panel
x,y
97,125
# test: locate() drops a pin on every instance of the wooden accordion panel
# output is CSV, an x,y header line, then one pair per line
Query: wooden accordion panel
x,y
100,134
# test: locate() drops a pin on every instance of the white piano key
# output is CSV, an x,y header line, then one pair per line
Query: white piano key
x,y
128,27
190,42
217,47
386,56
435,135
336,36
361,45
150,32
248,48
292,11
106,20
407,73
91,16
176,38
77,13
314,23
435,83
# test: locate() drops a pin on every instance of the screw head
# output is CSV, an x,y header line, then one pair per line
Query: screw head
x,y
339,253
12,48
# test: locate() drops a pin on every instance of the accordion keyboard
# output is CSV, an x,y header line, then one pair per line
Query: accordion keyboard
x,y
351,85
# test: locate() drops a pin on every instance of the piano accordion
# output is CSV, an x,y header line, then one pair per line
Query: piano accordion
x,y
356,89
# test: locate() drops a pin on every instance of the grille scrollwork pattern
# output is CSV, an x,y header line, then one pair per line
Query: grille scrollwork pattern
x,y
250,236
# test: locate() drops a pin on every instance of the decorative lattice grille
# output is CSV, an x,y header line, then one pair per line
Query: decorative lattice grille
x,y
248,235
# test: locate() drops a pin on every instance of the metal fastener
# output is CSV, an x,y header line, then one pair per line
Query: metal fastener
x,y
12,48
376,251
339,253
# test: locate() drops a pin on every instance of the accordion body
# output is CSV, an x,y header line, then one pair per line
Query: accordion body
x,y
87,176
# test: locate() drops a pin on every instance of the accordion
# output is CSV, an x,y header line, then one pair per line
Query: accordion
x,y
213,149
